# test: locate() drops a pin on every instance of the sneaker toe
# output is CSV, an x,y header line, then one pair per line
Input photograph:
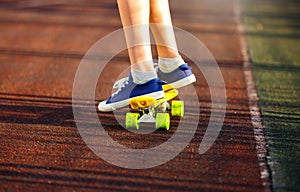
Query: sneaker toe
x,y
104,107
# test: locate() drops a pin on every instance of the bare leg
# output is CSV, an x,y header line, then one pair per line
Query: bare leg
x,y
137,12
163,31
171,67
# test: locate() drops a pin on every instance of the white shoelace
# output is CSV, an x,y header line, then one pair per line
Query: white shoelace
x,y
120,84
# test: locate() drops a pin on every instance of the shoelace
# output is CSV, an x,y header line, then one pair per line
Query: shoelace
x,y
120,84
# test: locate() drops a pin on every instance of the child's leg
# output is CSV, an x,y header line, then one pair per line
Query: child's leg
x,y
136,13
169,58
172,67
162,32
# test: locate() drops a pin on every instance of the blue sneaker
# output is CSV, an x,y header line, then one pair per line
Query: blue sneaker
x,y
180,77
127,90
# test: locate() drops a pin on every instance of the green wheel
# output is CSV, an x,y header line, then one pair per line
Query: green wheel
x,y
162,121
177,108
132,120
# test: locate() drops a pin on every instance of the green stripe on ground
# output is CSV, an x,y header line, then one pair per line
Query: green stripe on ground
x,y
273,35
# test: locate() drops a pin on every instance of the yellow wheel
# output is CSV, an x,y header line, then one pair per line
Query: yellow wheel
x,y
162,121
132,120
177,108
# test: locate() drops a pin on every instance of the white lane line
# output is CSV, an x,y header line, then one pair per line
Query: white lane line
x,y
256,120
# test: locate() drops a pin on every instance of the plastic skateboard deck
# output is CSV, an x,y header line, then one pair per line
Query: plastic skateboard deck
x,y
147,109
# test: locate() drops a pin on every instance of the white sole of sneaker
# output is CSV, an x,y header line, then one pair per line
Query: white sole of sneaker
x,y
103,107
184,82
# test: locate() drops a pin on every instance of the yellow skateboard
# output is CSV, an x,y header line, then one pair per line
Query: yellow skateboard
x,y
146,109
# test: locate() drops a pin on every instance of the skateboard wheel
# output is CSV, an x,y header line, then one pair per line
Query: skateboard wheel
x,y
132,120
162,121
177,108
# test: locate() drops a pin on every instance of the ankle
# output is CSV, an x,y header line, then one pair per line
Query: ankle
x,y
141,77
168,65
